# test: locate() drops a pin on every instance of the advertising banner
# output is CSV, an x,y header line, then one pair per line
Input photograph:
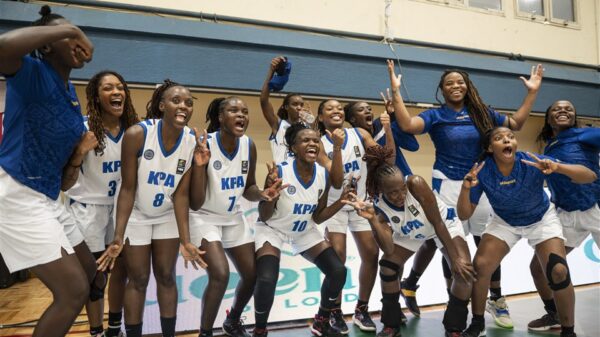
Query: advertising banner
x,y
297,294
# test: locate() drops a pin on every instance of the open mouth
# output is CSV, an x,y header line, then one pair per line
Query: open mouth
x,y
562,117
507,151
369,119
312,152
116,103
181,116
337,117
240,125
456,93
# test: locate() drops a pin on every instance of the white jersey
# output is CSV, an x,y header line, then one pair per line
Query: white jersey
x,y
353,152
99,175
159,173
278,145
297,203
410,221
227,175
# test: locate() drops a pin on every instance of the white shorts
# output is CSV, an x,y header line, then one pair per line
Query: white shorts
x,y
577,225
229,235
344,220
95,222
143,234
299,242
449,190
454,228
31,232
548,227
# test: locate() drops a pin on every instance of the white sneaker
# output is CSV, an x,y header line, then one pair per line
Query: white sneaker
x,y
499,311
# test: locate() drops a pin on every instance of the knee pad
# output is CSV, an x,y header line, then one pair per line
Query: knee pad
x,y
330,264
455,316
267,270
390,309
390,265
96,291
553,261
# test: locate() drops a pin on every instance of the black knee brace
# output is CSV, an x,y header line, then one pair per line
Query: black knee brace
x,y
267,273
96,291
390,265
335,274
390,310
554,260
455,316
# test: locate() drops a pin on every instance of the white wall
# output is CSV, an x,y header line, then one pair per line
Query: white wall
x,y
422,21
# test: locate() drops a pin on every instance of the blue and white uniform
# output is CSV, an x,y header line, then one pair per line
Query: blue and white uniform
x,y
521,208
277,141
410,225
42,126
353,152
402,140
292,220
221,217
159,174
576,204
457,146
91,200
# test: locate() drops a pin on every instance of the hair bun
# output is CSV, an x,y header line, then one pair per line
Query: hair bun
x,y
45,10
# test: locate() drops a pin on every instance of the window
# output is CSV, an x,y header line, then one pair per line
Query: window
x,y
486,4
558,12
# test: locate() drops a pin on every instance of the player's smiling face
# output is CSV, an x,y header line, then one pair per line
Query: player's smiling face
x,y
394,189
177,105
454,88
332,115
111,93
307,145
503,145
234,117
561,115
363,115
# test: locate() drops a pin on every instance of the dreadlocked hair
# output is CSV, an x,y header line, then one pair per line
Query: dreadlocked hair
x,y
376,157
320,124
94,111
349,111
46,17
546,133
282,111
214,109
152,108
478,111
291,133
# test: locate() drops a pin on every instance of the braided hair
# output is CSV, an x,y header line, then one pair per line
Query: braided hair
x,y
94,111
214,109
152,108
46,18
377,168
282,111
291,133
478,111
546,133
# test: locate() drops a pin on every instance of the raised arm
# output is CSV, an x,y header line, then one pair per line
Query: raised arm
x,y
516,121
335,166
198,178
465,208
70,174
265,105
17,43
579,174
408,124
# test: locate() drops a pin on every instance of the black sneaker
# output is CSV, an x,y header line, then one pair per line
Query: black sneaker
x,y
362,319
389,332
337,321
234,328
322,328
476,329
544,323
260,332
410,297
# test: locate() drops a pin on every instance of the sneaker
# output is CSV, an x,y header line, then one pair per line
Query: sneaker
x,y
410,298
389,332
474,330
499,310
362,319
570,334
260,332
545,323
234,328
322,328
337,321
